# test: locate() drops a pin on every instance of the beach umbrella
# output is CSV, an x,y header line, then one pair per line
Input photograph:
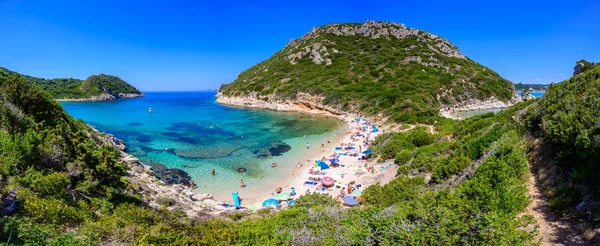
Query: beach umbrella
x,y
366,152
356,193
350,201
283,196
328,181
270,202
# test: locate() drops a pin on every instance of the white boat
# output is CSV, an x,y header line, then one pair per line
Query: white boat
x,y
150,110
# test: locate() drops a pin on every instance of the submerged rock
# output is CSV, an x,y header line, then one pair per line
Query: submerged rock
x,y
170,175
273,149
208,151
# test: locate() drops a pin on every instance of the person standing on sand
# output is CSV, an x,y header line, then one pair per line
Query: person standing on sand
x,y
242,183
307,146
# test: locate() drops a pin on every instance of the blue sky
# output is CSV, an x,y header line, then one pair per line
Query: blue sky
x,y
197,45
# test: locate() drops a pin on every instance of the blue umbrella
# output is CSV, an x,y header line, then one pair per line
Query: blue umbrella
x,y
366,152
270,202
350,200
291,202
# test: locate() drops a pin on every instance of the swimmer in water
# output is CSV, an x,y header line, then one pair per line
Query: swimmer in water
x,y
212,172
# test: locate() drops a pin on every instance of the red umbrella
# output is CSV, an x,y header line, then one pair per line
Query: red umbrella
x,y
327,181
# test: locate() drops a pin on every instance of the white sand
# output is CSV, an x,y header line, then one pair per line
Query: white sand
x,y
353,170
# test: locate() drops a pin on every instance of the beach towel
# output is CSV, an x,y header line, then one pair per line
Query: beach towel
x,y
386,167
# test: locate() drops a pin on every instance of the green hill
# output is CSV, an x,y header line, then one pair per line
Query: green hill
x,y
372,67
101,86
536,87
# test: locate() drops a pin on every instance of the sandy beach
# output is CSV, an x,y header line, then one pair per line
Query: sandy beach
x,y
351,170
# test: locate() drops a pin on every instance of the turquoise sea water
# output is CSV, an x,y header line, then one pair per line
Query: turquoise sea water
x,y
189,131
467,114
536,94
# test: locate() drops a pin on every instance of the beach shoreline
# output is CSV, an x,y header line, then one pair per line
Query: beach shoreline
x,y
353,169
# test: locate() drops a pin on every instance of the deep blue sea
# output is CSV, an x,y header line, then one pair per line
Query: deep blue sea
x,y
190,131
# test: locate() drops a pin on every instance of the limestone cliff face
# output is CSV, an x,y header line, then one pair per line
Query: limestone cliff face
x,y
303,102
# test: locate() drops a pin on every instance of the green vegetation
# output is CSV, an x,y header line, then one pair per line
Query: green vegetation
x,y
536,87
401,77
72,190
70,88
567,118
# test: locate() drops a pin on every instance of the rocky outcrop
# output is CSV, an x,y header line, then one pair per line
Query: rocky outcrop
x,y
143,182
303,102
477,105
103,97
581,66
371,29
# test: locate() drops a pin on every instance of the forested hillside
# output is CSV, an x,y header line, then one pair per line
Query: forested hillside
x,y
372,67
95,85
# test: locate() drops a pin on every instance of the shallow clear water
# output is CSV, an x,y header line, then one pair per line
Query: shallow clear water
x,y
188,130
467,114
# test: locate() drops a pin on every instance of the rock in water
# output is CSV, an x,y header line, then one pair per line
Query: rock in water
x,y
273,149
208,151
170,175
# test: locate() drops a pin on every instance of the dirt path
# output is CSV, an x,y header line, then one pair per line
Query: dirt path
x,y
551,230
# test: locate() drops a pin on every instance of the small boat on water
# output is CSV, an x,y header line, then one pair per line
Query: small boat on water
x,y
150,110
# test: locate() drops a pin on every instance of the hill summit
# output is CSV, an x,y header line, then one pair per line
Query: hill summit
x,y
382,68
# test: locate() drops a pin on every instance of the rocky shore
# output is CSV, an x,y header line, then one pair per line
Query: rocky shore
x,y
478,105
304,103
156,193
103,97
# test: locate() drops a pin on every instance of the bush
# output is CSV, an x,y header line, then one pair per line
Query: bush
x,y
314,200
403,157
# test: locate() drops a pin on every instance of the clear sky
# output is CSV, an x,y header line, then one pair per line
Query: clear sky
x,y
197,45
